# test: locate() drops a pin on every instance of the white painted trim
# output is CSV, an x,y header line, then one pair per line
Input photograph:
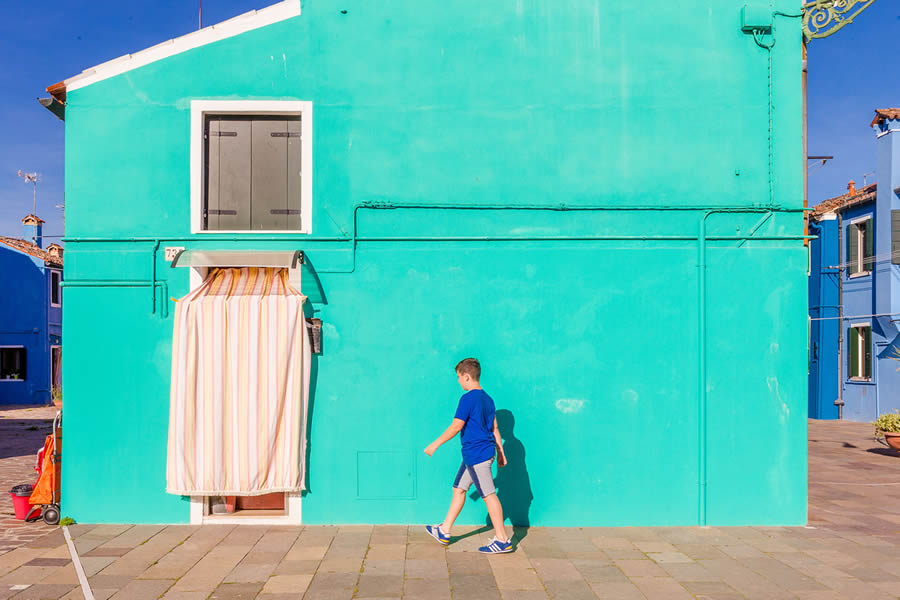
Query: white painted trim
x,y
214,33
860,324
859,220
26,363
59,293
884,133
200,108
292,503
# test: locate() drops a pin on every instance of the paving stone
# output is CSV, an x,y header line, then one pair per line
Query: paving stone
x,y
379,586
426,589
516,577
616,590
640,568
26,575
523,595
710,589
236,591
661,588
250,573
426,569
562,589
298,552
387,552
93,565
48,562
143,589
468,564
341,565
425,550
550,569
43,591
331,586
474,587
383,567
287,584
597,573
682,572
296,567
65,575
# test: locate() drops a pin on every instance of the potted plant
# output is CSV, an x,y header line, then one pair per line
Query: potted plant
x,y
56,396
887,428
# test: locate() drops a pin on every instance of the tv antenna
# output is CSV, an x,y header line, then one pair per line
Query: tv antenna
x,y
33,179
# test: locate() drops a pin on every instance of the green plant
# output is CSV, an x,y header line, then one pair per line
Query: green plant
x,y
66,521
888,422
56,394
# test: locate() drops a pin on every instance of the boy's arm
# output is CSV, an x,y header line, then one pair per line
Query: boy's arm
x,y
501,456
455,427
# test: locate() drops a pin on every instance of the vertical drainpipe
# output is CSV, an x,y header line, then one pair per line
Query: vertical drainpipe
x,y
840,275
701,370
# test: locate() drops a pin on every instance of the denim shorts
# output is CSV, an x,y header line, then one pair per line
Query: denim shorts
x,y
479,474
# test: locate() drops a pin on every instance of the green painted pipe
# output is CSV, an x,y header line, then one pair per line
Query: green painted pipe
x,y
162,285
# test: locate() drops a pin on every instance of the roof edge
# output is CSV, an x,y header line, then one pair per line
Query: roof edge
x,y
214,33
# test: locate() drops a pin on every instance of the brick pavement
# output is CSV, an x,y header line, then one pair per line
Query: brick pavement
x,y
850,550
23,430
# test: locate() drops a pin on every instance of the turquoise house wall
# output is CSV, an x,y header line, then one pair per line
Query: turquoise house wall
x,y
642,392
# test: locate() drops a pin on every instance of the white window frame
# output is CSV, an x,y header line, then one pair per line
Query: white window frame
x,y
861,352
859,260
201,108
26,362
59,290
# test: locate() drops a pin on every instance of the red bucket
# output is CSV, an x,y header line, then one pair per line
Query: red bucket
x,y
20,495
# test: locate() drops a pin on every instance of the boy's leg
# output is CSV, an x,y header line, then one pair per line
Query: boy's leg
x,y
456,505
495,510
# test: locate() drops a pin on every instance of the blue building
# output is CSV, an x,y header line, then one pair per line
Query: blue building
x,y
854,291
30,316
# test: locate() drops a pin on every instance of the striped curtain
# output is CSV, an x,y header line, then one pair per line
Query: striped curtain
x,y
240,384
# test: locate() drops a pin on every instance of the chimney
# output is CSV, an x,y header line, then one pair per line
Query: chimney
x,y
55,250
34,230
851,188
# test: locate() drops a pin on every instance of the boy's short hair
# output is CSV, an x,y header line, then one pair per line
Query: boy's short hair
x,y
470,367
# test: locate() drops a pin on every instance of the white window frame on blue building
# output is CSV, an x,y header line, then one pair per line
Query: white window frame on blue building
x,y
859,354
54,287
25,360
860,247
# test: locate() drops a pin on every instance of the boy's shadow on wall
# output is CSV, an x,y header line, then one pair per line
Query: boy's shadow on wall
x,y
512,481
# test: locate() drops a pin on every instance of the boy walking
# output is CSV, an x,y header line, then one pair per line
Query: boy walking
x,y
480,438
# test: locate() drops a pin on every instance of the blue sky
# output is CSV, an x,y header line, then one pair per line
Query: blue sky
x,y
850,74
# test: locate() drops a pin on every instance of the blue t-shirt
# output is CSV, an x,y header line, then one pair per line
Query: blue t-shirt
x,y
477,409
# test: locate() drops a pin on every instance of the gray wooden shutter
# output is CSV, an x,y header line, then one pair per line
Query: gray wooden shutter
x,y
269,179
853,354
211,198
294,176
853,265
228,174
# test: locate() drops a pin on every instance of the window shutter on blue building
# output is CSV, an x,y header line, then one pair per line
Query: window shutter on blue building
x,y
867,352
869,245
853,354
852,249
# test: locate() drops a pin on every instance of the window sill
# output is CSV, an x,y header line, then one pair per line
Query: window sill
x,y
253,231
12,380
860,274
860,380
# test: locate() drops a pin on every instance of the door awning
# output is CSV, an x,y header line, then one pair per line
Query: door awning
x,y
288,259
